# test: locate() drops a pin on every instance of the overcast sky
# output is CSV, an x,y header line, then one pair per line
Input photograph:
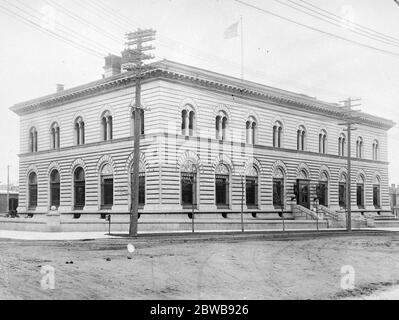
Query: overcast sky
x,y
277,52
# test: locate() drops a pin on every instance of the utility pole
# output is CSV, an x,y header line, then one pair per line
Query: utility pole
x,y
132,60
8,189
349,120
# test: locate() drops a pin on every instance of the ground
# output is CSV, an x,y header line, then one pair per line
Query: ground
x,y
162,268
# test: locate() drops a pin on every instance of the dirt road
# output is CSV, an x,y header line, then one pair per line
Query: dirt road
x,y
165,269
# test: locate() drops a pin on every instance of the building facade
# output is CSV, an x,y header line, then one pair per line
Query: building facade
x,y
208,141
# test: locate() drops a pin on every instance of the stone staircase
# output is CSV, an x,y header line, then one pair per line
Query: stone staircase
x,y
335,219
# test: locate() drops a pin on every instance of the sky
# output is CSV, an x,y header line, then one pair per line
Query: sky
x,y
65,42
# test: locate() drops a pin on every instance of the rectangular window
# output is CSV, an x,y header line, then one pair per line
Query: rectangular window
x,y
55,194
360,195
376,196
222,190
32,196
142,189
342,195
278,193
107,192
321,192
251,191
187,189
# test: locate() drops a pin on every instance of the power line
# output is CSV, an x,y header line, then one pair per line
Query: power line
x,y
61,27
349,22
69,36
83,21
38,27
339,24
316,29
188,50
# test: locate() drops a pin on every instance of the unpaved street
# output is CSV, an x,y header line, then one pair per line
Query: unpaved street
x,y
225,269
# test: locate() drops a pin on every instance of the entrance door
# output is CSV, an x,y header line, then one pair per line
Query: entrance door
x,y
303,193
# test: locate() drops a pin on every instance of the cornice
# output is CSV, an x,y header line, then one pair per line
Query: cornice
x,y
198,77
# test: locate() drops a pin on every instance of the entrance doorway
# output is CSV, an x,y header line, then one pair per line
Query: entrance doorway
x,y
303,195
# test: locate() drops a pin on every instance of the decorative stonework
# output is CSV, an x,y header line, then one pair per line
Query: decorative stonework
x,y
104,160
190,156
361,175
78,163
188,102
303,167
144,165
342,174
250,163
132,103
279,165
203,78
324,170
31,168
224,108
106,110
253,114
53,165
376,178
223,159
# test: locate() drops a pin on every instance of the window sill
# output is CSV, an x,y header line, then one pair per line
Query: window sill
x,y
106,207
78,208
223,206
189,206
253,206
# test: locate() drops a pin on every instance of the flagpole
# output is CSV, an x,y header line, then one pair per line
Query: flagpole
x,y
242,49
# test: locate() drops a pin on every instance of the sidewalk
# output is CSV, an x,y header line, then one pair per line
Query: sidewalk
x,y
26,235
70,236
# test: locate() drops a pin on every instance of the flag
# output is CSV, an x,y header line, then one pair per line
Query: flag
x,y
232,31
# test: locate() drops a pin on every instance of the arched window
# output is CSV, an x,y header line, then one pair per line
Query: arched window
x,y
188,181
376,150
79,131
141,183
33,140
79,182
360,191
341,145
277,135
107,186
142,120
278,189
359,147
55,189
222,187
377,192
301,135
32,189
55,136
221,126
323,142
188,126
106,126
252,180
251,130
342,190
322,189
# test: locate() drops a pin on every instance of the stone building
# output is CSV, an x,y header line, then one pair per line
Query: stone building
x,y
208,140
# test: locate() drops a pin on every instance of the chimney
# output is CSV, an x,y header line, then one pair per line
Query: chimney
x,y
60,87
113,65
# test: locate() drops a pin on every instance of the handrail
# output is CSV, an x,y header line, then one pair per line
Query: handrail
x,y
330,213
307,212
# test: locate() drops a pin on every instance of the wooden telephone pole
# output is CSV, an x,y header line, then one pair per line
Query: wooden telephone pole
x,y
349,120
132,60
